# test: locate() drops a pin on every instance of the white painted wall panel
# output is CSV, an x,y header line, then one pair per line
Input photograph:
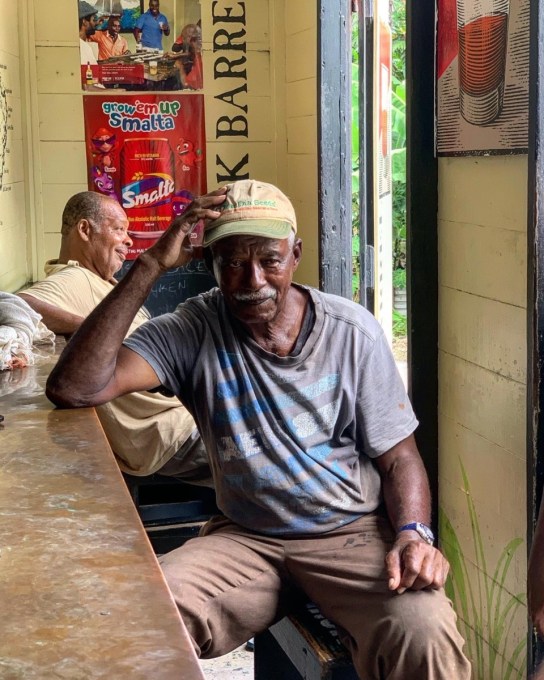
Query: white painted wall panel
x,y
14,244
483,401
58,70
63,162
489,192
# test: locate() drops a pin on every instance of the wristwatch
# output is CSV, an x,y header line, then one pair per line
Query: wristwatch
x,y
422,529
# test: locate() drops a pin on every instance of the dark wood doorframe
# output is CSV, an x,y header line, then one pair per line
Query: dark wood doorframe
x,y
334,156
365,16
334,146
422,231
535,291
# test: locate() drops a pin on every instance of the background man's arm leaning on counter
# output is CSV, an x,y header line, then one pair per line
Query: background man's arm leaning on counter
x,y
56,319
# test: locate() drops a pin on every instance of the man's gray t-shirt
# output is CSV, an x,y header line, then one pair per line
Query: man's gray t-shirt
x,y
290,439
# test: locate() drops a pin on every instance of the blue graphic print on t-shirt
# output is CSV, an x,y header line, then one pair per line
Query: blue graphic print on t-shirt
x,y
274,442
291,440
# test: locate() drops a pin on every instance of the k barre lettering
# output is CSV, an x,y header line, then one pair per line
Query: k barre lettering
x,y
230,47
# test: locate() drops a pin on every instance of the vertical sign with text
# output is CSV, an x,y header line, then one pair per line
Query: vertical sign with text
x,y
383,217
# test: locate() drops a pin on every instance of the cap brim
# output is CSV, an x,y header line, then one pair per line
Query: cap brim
x,y
275,229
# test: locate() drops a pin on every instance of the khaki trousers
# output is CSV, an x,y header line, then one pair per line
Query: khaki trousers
x,y
231,584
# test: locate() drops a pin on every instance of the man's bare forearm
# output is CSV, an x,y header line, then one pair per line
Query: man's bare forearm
x,y
411,563
86,368
405,485
56,319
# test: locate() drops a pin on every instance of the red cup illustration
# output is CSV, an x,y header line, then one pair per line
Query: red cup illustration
x,y
483,39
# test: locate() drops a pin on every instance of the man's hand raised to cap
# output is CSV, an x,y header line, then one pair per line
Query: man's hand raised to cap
x,y
174,249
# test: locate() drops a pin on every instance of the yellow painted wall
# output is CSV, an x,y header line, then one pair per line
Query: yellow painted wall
x,y
14,244
301,128
281,102
482,384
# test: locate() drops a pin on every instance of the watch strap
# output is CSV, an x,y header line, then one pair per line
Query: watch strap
x,y
422,529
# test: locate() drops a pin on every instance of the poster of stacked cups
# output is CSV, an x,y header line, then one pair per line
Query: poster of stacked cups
x,y
482,77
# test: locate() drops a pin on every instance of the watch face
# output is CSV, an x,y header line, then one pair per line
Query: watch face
x,y
422,529
425,533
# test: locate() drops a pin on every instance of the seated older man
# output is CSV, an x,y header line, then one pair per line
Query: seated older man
x,y
148,432
309,433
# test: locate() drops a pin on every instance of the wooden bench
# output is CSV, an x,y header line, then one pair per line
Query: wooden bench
x,y
304,645
82,592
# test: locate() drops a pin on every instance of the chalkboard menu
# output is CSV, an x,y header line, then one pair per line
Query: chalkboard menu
x,y
175,286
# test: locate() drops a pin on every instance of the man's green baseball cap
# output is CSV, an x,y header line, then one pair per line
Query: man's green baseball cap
x,y
252,208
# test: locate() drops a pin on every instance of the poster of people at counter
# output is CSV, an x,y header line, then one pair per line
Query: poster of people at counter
x,y
133,45
148,152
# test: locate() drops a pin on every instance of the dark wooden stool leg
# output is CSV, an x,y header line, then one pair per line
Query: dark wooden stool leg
x,y
271,662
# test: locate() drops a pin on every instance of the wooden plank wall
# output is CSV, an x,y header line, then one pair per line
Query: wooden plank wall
x,y
301,127
482,386
13,182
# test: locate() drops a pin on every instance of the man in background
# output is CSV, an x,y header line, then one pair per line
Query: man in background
x,y
189,64
151,26
87,28
148,432
110,43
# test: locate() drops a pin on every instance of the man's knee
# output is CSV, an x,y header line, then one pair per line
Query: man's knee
x,y
425,639
414,635
224,592
191,591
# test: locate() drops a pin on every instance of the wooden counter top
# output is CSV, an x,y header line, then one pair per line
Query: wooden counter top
x,y
82,595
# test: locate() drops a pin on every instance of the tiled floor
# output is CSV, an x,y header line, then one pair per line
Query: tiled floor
x,y
234,666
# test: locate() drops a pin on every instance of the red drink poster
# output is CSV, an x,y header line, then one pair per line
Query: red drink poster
x,y
147,152
382,158
483,77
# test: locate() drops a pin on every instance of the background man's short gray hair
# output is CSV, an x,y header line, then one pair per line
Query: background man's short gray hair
x,y
88,205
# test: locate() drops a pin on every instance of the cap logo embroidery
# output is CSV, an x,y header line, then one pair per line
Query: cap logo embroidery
x,y
252,208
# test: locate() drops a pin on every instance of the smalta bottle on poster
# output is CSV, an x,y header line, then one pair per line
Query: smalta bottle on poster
x,y
89,74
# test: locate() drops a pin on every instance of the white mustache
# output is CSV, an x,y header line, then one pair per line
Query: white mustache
x,y
256,296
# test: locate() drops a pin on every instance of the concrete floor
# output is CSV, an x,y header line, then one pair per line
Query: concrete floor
x,y
234,666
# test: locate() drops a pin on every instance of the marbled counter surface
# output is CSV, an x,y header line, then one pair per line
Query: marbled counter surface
x,y
81,593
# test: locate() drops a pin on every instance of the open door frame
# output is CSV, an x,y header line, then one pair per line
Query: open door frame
x,y
422,232
334,153
334,149
334,146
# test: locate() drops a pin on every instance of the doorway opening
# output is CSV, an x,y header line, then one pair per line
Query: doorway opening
x,y
378,167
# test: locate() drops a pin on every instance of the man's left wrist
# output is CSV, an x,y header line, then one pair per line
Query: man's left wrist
x,y
424,531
